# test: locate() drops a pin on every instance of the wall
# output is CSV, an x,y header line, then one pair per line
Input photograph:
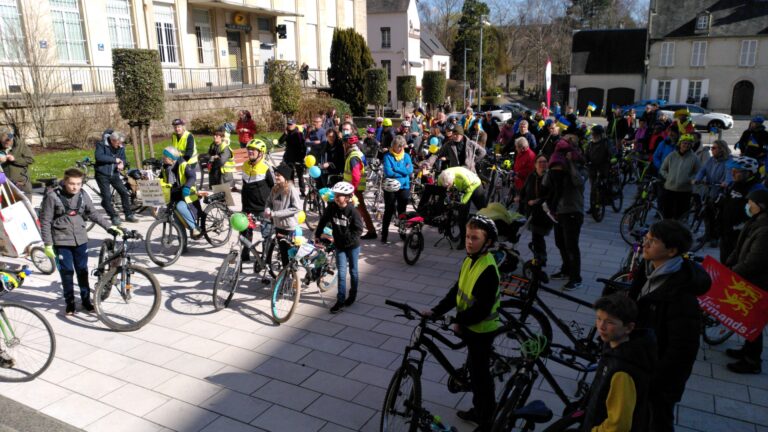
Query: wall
x,y
605,82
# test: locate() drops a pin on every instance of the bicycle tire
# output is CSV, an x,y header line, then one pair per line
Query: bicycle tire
x,y
412,247
144,298
313,209
166,249
713,332
410,405
617,195
285,295
516,393
214,222
105,250
598,206
635,217
328,278
272,259
91,188
453,230
33,341
533,322
42,262
226,280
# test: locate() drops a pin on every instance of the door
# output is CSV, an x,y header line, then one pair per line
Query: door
x,y
620,96
587,95
235,56
741,103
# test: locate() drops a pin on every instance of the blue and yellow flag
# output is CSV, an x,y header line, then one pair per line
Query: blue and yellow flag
x,y
563,123
591,106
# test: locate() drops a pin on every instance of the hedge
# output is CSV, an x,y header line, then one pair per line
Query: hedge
x,y
138,80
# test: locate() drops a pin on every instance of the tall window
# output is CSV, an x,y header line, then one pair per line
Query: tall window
x,y
11,37
699,54
694,90
667,57
119,23
748,53
387,65
68,30
386,37
664,88
204,35
165,26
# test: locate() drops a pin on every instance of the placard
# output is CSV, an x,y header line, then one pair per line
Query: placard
x,y
227,189
152,193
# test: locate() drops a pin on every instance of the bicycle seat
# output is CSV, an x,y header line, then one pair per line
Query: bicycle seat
x,y
615,285
535,411
407,215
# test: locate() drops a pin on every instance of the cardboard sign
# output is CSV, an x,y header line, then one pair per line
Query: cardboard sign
x,y
227,189
19,227
151,193
732,300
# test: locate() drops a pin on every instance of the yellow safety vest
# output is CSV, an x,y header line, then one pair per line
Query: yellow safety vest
x,y
464,299
229,166
465,181
181,146
181,176
348,171
255,172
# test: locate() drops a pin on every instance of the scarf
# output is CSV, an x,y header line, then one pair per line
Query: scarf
x,y
658,276
398,156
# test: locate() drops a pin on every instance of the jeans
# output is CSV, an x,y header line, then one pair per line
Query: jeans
x,y
539,247
183,208
393,200
116,182
567,232
344,256
479,346
74,260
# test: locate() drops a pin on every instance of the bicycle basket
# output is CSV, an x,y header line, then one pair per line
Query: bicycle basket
x,y
514,285
304,250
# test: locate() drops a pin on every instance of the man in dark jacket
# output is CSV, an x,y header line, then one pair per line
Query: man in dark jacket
x,y
16,158
110,160
599,155
744,172
458,150
748,261
754,141
491,129
523,131
666,291
295,150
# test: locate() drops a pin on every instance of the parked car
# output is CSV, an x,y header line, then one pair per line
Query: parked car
x,y
516,108
497,112
639,106
703,118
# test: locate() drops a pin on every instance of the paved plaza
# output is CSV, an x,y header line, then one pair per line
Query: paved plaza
x,y
195,369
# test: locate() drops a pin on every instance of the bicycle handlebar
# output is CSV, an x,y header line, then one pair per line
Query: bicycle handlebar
x,y
128,234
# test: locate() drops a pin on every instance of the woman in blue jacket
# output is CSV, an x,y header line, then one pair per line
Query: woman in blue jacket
x,y
397,182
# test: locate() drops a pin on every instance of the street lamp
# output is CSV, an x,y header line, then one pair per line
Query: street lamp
x,y
483,23
465,75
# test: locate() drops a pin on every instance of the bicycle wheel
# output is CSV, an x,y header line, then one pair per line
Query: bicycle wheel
x,y
274,265
285,295
598,206
41,261
329,275
617,194
532,322
640,216
402,401
453,229
226,279
127,302
313,209
713,332
28,339
92,189
164,242
412,247
215,224
104,251
515,394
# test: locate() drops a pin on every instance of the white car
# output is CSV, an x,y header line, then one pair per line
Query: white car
x,y
497,112
704,119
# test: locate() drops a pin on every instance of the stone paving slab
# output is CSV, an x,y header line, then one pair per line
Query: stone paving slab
x,y
195,369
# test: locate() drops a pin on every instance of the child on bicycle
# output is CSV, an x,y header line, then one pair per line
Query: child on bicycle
x,y
347,227
181,175
476,299
283,207
599,155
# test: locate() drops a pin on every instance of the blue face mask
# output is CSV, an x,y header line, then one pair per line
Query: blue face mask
x,y
747,210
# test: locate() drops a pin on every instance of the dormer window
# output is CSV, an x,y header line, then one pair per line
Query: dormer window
x,y
702,22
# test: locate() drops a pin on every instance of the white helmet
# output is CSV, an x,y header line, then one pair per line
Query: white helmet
x,y
391,185
343,188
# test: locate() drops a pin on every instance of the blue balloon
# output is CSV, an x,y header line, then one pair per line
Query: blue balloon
x,y
324,191
298,232
314,172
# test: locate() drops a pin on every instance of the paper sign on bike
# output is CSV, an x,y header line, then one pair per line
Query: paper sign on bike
x,y
732,300
151,193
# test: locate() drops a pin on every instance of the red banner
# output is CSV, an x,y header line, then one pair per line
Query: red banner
x,y
739,305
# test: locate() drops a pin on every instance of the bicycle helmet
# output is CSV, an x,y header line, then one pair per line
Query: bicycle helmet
x,y
507,164
405,124
743,163
343,188
239,222
257,144
486,224
387,122
390,185
686,138
370,130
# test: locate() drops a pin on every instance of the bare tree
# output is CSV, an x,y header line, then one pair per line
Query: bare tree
x,y
441,18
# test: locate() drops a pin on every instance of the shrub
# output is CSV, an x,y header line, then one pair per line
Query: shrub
x,y
311,106
138,80
81,125
433,87
350,58
212,120
376,88
284,87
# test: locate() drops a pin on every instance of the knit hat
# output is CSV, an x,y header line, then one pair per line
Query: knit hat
x,y
458,130
284,170
760,197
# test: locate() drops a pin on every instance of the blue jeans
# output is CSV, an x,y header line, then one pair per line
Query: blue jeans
x,y
183,208
74,260
342,257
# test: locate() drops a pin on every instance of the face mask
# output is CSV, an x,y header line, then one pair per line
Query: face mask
x,y
747,210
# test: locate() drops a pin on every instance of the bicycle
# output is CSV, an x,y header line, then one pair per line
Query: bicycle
x,y
28,343
409,226
319,264
266,263
608,191
704,212
374,178
497,180
447,223
126,296
402,402
633,259
165,247
638,214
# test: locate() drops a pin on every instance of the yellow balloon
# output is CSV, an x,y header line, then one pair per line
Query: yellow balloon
x,y
310,161
541,123
433,148
355,201
299,240
301,216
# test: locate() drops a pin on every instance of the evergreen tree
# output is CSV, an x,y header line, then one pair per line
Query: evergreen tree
x,y
350,58
469,36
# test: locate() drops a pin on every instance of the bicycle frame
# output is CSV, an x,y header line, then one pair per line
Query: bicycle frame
x,y
422,339
5,325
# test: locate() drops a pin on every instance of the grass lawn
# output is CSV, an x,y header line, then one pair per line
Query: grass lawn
x,y
53,163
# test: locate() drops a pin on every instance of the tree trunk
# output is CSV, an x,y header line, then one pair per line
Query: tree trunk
x,y
135,143
149,140
142,129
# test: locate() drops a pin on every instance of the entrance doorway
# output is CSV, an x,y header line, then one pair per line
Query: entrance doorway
x,y
741,103
234,46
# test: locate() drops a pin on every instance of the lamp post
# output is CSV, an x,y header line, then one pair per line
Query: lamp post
x,y
465,75
483,23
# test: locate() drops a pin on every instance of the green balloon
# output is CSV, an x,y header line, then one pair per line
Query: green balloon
x,y
239,222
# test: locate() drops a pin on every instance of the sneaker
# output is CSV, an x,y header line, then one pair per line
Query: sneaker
x,y
132,218
196,234
737,354
235,189
116,221
744,366
337,307
468,415
70,310
572,285
370,235
6,361
559,275
88,306
384,240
